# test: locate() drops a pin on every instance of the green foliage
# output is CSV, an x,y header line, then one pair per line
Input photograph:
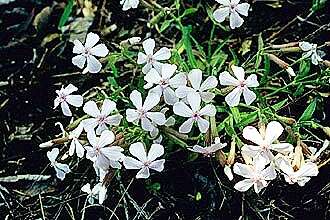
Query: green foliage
x,y
66,14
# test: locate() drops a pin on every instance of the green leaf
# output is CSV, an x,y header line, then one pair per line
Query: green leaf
x,y
247,118
66,14
189,11
309,111
236,114
165,25
318,4
304,68
279,105
187,44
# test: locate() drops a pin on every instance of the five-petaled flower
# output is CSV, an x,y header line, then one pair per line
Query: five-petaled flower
x,y
64,98
145,161
128,4
60,168
264,141
195,77
256,175
100,119
195,113
310,50
242,86
88,52
150,58
233,9
97,192
165,82
208,151
142,112
103,156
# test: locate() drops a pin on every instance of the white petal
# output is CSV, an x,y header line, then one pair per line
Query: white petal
x,y
228,172
151,101
179,79
226,79
210,83
233,98
143,173
156,117
194,101
113,153
86,188
132,115
162,54
79,61
75,100
168,70
106,138
115,164
93,65
220,14
186,126
305,46
157,165
244,185
99,50
273,131
153,77
170,97
142,58
243,170
66,109
252,81
52,155
147,68
108,106
113,120
252,134
238,72
149,46
136,99
307,170
132,164
198,149
80,150
102,194
156,150
207,96
269,173
91,40
70,89
235,20
100,128
89,124
138,151
208,110
146,124
203,125
249,96
182,91
250,151
78,47
91,109
195,78
243,8
182,109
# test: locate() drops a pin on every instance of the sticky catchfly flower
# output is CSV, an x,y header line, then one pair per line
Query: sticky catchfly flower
x,y
242,86
265,141
75,145
195,113
60,168
233,10
195,77
208,151
128,4
88,52
165,82
142,112
150,58
256,175
98,192
310,50
101,119
145,161
64,98
103,156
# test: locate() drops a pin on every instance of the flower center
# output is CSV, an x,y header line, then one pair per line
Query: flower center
x,y
101,119
242,84
195,116
142,113
150,59
62,97
232,7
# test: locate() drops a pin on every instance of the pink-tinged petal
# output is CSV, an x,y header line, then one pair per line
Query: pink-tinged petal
x,y
226,79
78,47
308,169
91,40
250,150
273,131
66,109
182,109
143,173
186,126
243,170
132,164
106,138
183,91
195,78
156,150
194,101
252,81
235,20
238,72
136,99
157,165
90,153
132,115
208,110
168,70
146,124
244,185
162,54
243,8
252,134
210,83
203,125
149,46
151,101
79,61
221,14
142,58
138,151
179,79
93,65
170,97
286,167
91,109
75,100
249,96
156,117
233,98
108,106
99,50
113,120
153,77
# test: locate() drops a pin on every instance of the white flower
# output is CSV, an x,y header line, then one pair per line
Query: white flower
x,y
64,98
75,145
151,59
128,4
242,86
165,82
233,9
265,142
60,168
98,192
145,161
256,175
310,50
301,176
103,156
134,40
142,111
101,118
194,113
88,52
195,77
316,153
208,151
228,172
